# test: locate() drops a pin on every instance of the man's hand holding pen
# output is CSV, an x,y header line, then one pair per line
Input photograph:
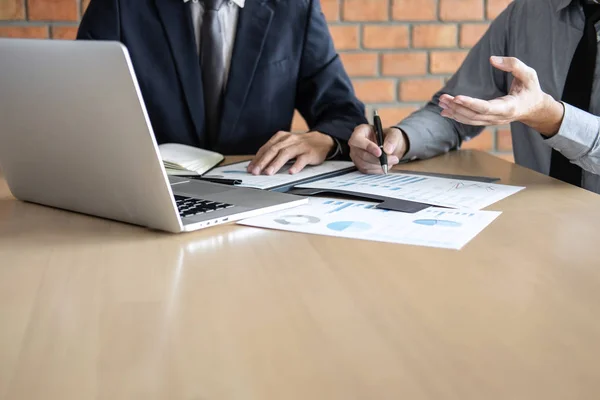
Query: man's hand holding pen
x,y
366,153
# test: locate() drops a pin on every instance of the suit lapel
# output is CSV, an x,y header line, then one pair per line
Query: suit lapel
x,y
177,23
253,26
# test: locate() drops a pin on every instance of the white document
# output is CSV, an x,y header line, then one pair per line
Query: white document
x,y
419,188
432,227
283,177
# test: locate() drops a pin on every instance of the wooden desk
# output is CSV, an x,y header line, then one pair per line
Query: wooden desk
x,y
91,309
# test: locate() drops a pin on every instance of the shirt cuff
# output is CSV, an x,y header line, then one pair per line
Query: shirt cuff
x,y
577,134
336,151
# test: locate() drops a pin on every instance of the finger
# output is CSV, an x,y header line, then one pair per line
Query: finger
x,y
514,66
477,105
368,161
445,98
468,113
502,107
462,119
364,138
505,106
301,161
284,155
367,157
277,138
369,170
362,165
392,141
374,169
263,159
358,161
269,154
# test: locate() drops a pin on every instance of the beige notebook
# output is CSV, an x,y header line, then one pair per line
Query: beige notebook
x,y
180,159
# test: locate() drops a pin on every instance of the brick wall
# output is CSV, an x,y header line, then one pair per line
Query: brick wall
x,y
398,52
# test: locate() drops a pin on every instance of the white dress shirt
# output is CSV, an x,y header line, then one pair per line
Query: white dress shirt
x,y
228,15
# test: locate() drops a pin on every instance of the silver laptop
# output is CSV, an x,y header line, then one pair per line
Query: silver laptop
x,y
75,135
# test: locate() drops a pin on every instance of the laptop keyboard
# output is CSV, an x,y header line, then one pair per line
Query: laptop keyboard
x,y
189,207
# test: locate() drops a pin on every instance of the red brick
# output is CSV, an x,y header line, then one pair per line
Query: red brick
x,y
392,115
11,10
420,89
64,32
504,139
53,10
434,36
461,10
404,64
28,32
385,37
375,90
331,9
366,10
495,7
345,37
484,141
446,62
414,10
360,64
298,123
471,33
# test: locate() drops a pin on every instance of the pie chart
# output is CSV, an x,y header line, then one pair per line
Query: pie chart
x,y
349,226
297,220
438,222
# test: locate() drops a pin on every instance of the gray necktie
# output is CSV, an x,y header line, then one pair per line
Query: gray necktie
x,y
212,65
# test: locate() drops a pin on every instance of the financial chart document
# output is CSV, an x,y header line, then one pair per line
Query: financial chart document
x,y
283,177
441,192
432,227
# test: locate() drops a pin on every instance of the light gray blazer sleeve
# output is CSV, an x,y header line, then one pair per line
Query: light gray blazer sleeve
x,y
429,133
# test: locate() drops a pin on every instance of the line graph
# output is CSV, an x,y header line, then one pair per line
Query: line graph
x,y
418,188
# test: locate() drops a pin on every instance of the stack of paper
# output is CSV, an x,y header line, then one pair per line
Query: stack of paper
x,y
433,227
451,227
442,192
282,177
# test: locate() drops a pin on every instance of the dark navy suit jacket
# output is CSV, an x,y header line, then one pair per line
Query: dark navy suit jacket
x,y
283,59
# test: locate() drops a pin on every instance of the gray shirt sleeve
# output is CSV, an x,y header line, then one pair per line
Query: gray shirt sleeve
x,y
578,138
429,133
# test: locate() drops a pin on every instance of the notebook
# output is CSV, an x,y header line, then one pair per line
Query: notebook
x,y
180,159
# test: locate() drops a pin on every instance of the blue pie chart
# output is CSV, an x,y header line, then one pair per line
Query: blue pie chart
x,y
349,226
437,222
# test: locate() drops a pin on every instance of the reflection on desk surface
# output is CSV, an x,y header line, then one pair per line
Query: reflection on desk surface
x,y
94,309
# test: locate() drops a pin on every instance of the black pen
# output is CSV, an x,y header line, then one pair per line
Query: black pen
x,y
379,134
222,181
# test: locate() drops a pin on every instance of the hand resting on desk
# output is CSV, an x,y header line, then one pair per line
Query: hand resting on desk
x,y
309,148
